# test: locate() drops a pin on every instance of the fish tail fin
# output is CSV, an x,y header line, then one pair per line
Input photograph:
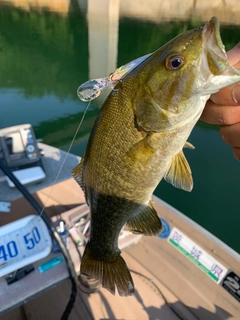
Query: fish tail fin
x,y
110,273
145,222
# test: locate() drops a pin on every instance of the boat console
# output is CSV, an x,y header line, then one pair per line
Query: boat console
x,y
20,153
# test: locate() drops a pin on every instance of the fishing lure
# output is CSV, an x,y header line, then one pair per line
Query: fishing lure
x,y
91,89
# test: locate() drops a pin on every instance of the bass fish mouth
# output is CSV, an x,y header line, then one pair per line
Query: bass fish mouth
x,y
212,32
216,53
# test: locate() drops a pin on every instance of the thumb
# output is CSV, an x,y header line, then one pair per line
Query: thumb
x,y
234,56
230,96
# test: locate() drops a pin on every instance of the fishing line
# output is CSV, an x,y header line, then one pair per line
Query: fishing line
x,y
65,158
159,291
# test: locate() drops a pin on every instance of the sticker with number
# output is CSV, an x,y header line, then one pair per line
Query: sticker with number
x,y
231,283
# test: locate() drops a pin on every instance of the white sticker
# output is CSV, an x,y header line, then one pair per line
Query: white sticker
x,y
209,265
5,206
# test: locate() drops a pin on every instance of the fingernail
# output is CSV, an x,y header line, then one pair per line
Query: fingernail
x,y
236,94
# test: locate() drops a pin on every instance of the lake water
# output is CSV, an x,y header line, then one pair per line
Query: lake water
x,y
47,52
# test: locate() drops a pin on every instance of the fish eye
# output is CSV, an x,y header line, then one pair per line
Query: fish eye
x,y
174,63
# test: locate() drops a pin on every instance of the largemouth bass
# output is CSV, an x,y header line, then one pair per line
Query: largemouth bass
x,y
138,139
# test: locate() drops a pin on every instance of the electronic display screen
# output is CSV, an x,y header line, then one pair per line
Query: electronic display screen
x,y
14,145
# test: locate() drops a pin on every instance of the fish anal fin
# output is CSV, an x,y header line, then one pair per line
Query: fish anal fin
x,y
179,173
145,222
110,272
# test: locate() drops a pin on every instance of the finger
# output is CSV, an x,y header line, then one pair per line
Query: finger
x,y
230,95
236,152
231,134
234,55
223,115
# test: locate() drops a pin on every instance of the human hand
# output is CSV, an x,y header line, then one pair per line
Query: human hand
x,y
223,108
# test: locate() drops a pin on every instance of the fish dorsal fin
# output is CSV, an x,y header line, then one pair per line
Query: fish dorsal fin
x,y
179,173
146,221
77,174
188,145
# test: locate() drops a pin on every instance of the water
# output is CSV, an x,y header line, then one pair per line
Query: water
x,y
47,52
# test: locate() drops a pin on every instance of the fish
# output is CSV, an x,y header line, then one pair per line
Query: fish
x,y
138,139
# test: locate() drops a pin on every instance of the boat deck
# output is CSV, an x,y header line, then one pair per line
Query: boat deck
x,y
168,284
147,303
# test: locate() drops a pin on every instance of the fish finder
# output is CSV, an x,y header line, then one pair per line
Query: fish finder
x,y
19,152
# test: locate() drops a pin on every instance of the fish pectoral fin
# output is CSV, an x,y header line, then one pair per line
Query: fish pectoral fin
x,y
179,173
111,273
145,222
188,145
